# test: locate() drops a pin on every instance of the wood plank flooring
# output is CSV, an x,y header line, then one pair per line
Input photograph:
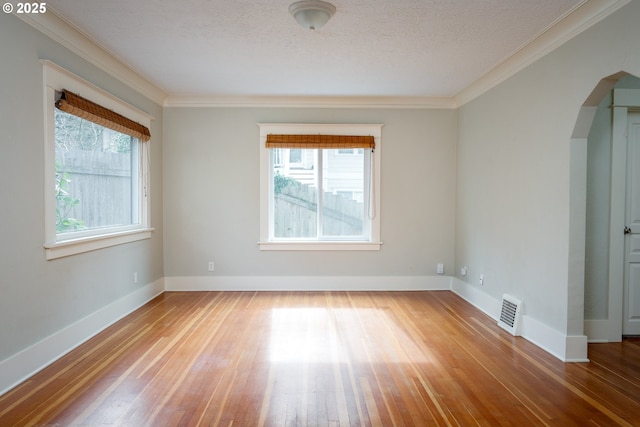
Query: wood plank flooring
x,y
323,359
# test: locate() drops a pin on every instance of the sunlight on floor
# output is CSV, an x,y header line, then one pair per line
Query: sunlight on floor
x,y
320,335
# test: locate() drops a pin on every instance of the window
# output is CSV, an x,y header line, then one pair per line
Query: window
x,y
319,195
96,167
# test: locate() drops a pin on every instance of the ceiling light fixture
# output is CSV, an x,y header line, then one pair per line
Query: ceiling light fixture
x,y
312,14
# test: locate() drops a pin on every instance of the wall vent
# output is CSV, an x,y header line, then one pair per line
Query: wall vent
x,y
510,314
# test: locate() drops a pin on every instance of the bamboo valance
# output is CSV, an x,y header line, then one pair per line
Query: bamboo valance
x,y
74,104
319,141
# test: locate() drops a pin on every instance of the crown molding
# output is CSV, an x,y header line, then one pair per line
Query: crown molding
x,y
311,101
57,28
585,15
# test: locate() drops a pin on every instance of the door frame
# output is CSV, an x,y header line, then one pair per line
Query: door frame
x,y
624,101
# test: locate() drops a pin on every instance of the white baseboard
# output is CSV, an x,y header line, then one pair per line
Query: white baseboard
x,y
481,300
308,283
568,348
576,348
27,362
597,330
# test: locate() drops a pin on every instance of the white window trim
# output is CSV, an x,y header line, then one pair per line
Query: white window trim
x,y
374,130
57,78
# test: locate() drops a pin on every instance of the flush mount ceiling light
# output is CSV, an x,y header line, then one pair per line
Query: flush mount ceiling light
x,y
312,14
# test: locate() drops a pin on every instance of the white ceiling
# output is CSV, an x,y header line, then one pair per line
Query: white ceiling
x,y
384,48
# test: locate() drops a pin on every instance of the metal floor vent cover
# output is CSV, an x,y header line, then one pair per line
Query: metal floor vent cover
x,y
510,314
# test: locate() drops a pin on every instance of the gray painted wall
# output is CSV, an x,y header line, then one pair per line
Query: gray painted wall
x,y
39,297
211,193
514,168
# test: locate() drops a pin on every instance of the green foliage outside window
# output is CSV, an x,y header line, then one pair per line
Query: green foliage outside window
x,y
280,182
64,204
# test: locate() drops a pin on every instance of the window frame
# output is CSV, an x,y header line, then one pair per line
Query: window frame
x,y
55,79
266,208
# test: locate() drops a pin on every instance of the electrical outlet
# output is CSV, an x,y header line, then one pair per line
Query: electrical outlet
x,y
463,271
440,268
135,277
482,280
211,266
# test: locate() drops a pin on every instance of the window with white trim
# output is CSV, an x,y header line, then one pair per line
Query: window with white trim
x,y
320,187
97,160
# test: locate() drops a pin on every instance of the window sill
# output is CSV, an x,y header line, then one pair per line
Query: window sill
x,y
320,246
86,244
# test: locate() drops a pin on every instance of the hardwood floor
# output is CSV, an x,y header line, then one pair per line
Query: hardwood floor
x,y
323,359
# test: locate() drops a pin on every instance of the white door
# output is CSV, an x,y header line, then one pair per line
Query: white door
x,y
631,306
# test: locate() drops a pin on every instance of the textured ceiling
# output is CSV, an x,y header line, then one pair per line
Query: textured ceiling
x,y
424,48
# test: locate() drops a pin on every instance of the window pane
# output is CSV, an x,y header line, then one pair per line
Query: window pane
x,y
295,194
343,213
295,155
96,175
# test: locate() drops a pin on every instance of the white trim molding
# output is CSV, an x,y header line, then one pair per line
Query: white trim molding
x,y
56,27
71,247
481,300
597,330
320,246
29,361
568,348
308,283
583,16
391,102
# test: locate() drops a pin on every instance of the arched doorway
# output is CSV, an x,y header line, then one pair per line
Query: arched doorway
x,y
598,209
